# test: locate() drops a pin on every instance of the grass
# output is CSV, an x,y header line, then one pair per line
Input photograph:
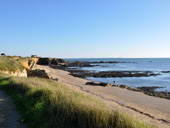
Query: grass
x,y
108,85
9,64
47,104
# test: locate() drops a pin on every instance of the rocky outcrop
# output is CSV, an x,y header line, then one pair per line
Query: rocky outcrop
x,y
61,61
25,67
111,62
152,92
79,64
29,63
44,61
37,73
54,61
97,83
105,74
50,61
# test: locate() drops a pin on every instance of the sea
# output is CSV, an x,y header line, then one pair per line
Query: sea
x,y
157,65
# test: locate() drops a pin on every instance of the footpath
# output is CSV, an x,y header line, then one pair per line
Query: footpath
x,y
9,117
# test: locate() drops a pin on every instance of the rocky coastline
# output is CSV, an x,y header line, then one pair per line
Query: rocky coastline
x,y
151,91
110,62
106,74
74,69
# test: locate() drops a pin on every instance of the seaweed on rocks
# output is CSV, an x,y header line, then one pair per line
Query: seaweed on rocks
x,y
110,62
151,91
146,90
104,74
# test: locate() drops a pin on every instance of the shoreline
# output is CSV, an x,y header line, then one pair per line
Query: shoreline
x,y
154,109
83,74
148,90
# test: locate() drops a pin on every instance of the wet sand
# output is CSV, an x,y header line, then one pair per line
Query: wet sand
x,y
151,109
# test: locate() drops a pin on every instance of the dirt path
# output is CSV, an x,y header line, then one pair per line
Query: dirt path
x,y
8,115
151,109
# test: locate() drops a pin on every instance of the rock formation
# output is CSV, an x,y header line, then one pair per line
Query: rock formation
x,y
61,61
44,61
50,61
37,73
54,61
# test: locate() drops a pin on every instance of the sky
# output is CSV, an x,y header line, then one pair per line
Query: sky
x,y
85,28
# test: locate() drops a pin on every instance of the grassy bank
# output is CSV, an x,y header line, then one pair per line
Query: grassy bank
x,y
47,104
10,64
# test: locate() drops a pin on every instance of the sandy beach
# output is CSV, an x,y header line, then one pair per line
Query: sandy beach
x,y
143,107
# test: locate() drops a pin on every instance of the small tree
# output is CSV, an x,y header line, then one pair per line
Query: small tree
x,y
3,54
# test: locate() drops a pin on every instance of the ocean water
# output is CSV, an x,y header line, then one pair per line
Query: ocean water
x,y
133,64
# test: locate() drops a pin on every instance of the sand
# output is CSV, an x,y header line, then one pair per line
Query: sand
x,y
151,109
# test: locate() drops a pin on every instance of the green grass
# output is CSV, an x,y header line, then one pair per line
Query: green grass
x,y
47,104
9,64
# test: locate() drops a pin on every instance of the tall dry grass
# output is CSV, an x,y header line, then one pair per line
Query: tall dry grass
x,y
11,65
47,104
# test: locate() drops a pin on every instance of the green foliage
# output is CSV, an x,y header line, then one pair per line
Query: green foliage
x,y
2,54
47,104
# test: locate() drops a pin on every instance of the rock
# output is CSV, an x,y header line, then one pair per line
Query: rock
x,y
120,74
50,61
93,83
37,73
165,71
54,61
98,84
123,86
61,61
151,91
80,64
44,61
111,62
29,63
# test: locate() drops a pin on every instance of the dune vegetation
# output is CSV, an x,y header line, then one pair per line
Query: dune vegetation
x,y
47,104
10,64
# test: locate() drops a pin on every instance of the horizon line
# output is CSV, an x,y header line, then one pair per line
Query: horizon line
x,y
117,57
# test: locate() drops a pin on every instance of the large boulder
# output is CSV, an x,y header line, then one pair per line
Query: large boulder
x,y
44,61
61,61
37,73
54,61
50,61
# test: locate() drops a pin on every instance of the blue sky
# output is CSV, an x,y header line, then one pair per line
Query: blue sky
x,y
85,28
